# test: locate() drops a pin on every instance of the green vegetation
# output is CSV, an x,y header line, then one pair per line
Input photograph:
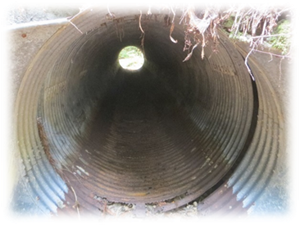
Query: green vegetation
x,y
279,38
129,52
281,42
131,58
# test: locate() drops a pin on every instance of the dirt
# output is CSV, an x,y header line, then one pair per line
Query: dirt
x,y
25,14
126,213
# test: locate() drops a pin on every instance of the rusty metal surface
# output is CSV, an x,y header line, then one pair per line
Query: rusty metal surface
x,y
222,203
163,137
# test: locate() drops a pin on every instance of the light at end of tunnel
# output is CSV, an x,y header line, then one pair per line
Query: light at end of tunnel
x,y
131,58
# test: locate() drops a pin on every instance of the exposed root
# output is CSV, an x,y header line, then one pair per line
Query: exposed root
x,y
149,11
107,210
171,31
183,16
246,61
109,15
104,211
252,23
190,54
202,25
272,54
174,14
140,22
143,33
203,45
76,205
75,27
268,36
172,27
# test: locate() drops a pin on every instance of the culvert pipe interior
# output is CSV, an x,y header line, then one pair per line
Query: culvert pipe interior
x,y
167,134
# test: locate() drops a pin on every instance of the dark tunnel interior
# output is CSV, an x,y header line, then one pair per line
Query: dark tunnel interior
x,y
169,132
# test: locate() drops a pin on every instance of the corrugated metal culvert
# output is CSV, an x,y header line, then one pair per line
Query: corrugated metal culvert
x,y
91,134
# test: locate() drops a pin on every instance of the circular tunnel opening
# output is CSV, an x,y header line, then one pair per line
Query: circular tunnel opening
x,y
131,58
165,135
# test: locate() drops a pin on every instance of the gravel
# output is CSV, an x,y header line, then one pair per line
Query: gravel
x,y
21,14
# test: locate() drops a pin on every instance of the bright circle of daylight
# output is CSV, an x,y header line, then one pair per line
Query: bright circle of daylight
x,y
131,58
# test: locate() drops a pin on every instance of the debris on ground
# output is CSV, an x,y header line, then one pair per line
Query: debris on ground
x,y
124,212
